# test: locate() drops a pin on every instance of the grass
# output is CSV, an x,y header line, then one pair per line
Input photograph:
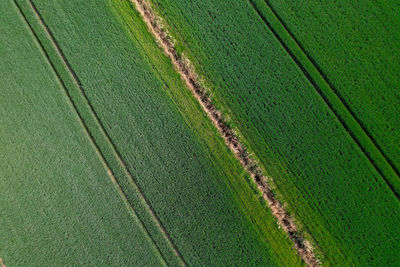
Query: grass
x,y
58,205
190,179
327,181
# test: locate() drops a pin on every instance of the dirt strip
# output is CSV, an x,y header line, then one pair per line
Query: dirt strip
x,y
303,247
2,263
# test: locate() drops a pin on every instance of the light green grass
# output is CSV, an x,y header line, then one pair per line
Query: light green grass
x,y
328,183
58,205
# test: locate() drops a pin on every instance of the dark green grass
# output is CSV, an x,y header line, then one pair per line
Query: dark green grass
x,y
334,98
58,205
328,182
195,185
356,46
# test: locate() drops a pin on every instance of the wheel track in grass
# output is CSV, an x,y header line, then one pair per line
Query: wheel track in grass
x,y
183,67
97,149
348,119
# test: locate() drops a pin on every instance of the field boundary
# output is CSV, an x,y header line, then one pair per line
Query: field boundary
x,y
366,143
105,136
183,67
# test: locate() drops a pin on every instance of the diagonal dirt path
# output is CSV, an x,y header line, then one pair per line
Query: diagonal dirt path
x,y
182,65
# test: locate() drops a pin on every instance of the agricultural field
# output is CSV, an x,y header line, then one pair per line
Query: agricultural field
x,y
57,201
362,56
341,199
182,184
199,133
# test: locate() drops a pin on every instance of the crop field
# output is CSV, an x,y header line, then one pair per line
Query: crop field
x,y
199,133
368,110
185,188
330,185
364,60
57,201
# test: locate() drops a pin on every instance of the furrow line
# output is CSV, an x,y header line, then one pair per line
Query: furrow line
x,y
92,139
182,65
353,126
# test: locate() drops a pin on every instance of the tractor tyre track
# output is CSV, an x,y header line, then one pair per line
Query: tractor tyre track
x,y
182,65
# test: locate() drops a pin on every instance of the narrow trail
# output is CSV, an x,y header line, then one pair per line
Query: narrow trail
x,y
2,263
182,65
353,126
93,142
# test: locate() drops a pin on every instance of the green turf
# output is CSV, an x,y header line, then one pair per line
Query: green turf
x,y
189,177
331,186
58,205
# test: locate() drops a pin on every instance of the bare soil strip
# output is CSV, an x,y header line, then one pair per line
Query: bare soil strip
x,y
336,103
2,263
182,65
93,142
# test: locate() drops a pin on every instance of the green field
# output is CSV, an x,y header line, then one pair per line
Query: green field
x,y
108,159
57,201
328,182
152,135
362,64
353,87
